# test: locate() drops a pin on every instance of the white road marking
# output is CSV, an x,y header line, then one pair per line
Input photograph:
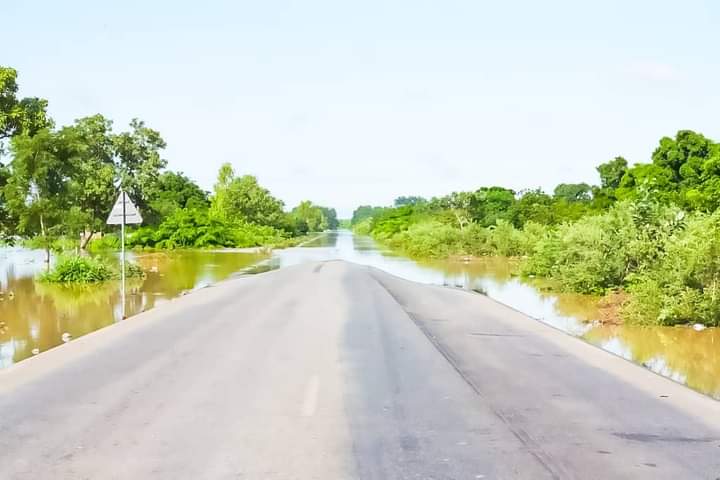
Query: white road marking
x,y
311,394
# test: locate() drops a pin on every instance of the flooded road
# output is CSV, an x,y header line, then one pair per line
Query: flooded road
x,y
679,353
38,316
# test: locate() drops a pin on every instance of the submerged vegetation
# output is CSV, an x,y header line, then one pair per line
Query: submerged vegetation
x,y
76,269
651,230
58,185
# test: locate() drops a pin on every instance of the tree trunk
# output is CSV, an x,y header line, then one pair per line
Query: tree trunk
x,y
86,240
46,242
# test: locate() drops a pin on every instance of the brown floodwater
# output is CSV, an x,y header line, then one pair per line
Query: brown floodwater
x,y
38,316
35,317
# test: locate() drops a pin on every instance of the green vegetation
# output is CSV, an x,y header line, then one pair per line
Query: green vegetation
x,y
76,269
651,229
57,186
200,228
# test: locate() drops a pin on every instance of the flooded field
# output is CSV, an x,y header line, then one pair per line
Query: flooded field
x,y
37,317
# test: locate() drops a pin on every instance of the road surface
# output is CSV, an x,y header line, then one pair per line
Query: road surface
x,y
337,371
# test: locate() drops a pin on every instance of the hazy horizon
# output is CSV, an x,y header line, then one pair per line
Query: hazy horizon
x,y
358,104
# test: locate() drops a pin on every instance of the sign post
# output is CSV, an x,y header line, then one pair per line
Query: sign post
x,y
124,211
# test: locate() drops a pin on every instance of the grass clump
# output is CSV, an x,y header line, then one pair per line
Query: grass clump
x,y
78,270
86,270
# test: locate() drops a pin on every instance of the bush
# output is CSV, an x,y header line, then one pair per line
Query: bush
x,y
75,269
602,252
133,270
505,239
428,240
108,242
187,228
682,285
531,235
363,227
78,270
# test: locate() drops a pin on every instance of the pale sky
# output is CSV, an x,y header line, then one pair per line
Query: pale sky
x,y
348,103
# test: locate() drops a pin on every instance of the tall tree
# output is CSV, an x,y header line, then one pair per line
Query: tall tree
x,y
38,191
612,172
19,116
331,217
408,200
94,171
573,192
138,161
363,212
5,219
174,191
309,217
533,205
684,155
243,198
490,204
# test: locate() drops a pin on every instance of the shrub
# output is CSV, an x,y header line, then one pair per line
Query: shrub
x,y
429,240
682,285
108,242
75,269
187,228
505,239
133,270
78,270
363,227
602,252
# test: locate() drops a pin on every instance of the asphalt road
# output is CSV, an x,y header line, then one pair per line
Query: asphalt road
x,y
337,371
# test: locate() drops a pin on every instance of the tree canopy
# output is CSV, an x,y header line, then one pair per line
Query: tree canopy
x,y
243,198
19,116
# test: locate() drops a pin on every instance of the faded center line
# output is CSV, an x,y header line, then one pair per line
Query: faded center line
x,y
311,393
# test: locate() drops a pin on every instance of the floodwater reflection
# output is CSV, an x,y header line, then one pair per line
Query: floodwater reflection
x,y
35,317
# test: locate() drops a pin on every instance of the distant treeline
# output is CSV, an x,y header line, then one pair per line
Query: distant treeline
x,y
649,231
59,182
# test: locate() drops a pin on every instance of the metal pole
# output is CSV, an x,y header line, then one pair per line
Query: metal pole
x,y
122,254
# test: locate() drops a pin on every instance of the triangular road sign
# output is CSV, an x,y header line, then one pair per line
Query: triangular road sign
x,y
132,215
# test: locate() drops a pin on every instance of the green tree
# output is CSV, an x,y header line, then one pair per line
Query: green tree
x,y
94,172
612,172
490,204
174,191
684,155
410,200
694,163
533,205
242,198
23,116
309,218
331,217
17,117
137,161
364,212
648,181
101,160
38,191
5,219
458,205
573,192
